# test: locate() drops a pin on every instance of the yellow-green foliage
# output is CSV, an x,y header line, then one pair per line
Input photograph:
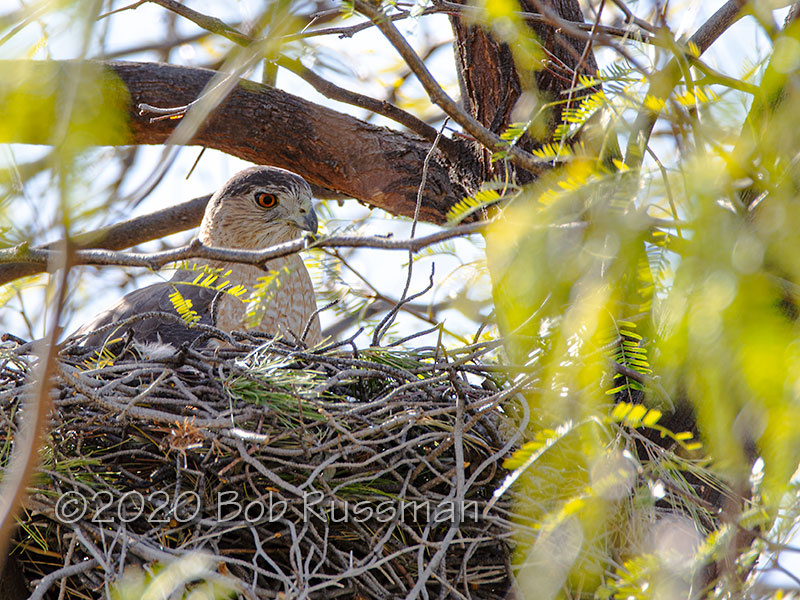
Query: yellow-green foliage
x,y
72,105
189,577
262,295
183,306
216,279
471,204
631,291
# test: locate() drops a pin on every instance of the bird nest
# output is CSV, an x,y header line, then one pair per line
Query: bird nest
x,y
268,470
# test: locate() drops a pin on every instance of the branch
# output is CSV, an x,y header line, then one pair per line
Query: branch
x,y
439,97
156,260
643,32
156,46
492,86
663,82
211,24
324,87
379,107
122,235
350,30
631,18
21,261
261,124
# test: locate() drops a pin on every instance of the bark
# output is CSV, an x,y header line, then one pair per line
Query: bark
x,y
333,151
338,154
492,84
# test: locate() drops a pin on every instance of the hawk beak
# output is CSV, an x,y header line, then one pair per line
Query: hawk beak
x,y
308,221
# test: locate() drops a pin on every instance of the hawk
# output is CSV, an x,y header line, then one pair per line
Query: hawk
x,y
256,208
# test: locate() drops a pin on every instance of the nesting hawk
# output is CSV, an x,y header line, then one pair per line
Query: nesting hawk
x,y
256,208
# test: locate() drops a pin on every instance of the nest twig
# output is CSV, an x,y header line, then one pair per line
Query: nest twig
x,y
299,473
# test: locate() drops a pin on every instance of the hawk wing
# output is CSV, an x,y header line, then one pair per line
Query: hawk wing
x,y
153,298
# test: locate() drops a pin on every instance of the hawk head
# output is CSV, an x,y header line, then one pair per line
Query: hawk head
x,y
258,207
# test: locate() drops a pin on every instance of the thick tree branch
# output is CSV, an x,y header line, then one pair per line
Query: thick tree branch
x,y
324,87
261,124
384,22
492,84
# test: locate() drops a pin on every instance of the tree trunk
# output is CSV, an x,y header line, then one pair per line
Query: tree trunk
x,y
492,85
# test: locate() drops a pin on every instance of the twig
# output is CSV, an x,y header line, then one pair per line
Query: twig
x,y
313,315
664,81
155,45
127,7
350,30
445,7
631,18
46,582
440,98
196,249
211,24
25,455
384,325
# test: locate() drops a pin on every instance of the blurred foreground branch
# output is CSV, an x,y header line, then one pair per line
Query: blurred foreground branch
x,y
332,151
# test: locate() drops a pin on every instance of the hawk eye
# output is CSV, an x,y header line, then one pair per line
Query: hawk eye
x,y
266,200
